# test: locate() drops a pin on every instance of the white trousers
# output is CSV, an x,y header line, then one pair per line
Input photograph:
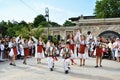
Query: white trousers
x,y
66,63
1,55
50,62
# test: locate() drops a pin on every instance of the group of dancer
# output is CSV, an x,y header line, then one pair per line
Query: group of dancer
x,y
74,47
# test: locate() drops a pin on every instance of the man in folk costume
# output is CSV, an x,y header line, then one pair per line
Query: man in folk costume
x,y
66,55
116,46
99,52
83,50
13,50
51,53
92,47
90,36
62,44
72,47
77,39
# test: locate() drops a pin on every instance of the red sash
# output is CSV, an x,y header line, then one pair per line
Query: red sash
x,y
26,51
39,48
15,51
82,48
72,47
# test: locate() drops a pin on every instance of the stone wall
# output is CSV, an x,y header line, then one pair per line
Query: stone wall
x,y
95,25
63,31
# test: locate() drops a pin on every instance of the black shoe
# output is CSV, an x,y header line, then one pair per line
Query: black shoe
x,y
66,72
10,64
25,63
68,67
96,66
51,69
14,64
80,64
83,64
53,65
100,65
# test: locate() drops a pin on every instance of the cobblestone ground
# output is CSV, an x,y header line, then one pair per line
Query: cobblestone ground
x,y
34,71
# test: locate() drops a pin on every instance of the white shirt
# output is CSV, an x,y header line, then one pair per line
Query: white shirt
x,y
2,47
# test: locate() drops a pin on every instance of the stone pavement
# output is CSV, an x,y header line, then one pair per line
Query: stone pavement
x,y
33,71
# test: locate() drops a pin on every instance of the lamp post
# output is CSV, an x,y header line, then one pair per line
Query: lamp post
x,y
47,17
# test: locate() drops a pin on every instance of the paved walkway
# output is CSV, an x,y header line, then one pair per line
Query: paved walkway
x,y
33,71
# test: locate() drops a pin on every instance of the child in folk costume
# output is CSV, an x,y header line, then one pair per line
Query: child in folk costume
x,y
83,50
13,51
66,55
51,53
99,52
26,51
72,47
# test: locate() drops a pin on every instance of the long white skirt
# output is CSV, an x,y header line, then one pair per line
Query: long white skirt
x,y
11,54
40,55
117,53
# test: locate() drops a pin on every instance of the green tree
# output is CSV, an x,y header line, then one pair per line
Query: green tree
x,y
27,31
68,23
44,24
3,27
107,8
54,24
23,23
39,19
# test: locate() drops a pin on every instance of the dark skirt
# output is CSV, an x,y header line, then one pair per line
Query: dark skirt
x,y
82,48
26,52
72,47
98,52
39,48
15,51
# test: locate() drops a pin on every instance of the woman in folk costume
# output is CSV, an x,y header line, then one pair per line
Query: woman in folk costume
x,y
99,52
30,44
13,51
116,46
72,47
51,53
66,55
26,51
83,50
39,52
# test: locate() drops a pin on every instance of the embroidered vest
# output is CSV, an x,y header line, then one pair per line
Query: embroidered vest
x,y
51,52
67,53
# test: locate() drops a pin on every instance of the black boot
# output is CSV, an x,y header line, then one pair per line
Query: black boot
x,y
66,72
